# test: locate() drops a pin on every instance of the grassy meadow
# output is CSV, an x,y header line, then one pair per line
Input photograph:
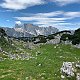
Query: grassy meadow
x,y
45,63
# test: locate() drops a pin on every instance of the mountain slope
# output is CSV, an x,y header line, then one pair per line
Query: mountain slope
x,y
45,64
29,30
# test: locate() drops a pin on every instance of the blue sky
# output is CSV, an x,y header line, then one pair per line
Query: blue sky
x,y
62,14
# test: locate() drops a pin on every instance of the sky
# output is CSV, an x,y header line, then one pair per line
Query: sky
x,y
62,14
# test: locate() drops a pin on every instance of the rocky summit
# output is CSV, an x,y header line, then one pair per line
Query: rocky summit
x,y
29,30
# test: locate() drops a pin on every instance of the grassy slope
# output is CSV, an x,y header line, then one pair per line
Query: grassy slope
x,y
51,60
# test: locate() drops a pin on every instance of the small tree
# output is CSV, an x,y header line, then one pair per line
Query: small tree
x,y
2,32
65,37
50,37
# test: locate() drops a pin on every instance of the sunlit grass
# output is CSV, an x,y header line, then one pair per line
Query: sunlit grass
x,y
44,66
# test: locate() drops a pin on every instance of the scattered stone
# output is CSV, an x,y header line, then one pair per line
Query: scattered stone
x,y
0,49
60,56
39,64
42,78
27,78
67,42
1,59
70,69
78,76
77,45
62,76
21,56
54,46
12,44
30,45
78,65
67,69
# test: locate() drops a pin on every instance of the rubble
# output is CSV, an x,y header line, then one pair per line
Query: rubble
x,y
69,69
62,76
78,65
19,56
1,59
78,76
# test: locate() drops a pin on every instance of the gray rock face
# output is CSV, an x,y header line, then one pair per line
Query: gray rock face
x,y
14,33
77,46
28,30
70,69
67,68
53,41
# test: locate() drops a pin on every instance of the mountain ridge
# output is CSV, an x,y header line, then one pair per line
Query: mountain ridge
x,y
29,30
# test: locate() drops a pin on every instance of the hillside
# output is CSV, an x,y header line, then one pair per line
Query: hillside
x,y
21,60
11,48
45,64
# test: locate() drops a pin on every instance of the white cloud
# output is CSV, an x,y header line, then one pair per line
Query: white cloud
x,y
20,4
68,26
63,26
50,17
23,4
72,14
56,19
50,14
7,20
18,22
42,18
65,2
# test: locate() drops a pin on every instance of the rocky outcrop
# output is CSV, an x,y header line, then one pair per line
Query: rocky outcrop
x,y
70,69
57,38
53,41
29,30
67,68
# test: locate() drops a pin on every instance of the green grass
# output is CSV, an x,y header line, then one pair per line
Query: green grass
x,y
51,60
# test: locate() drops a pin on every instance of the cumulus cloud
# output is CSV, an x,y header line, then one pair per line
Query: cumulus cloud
x,y
18,22
20,4
65,2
